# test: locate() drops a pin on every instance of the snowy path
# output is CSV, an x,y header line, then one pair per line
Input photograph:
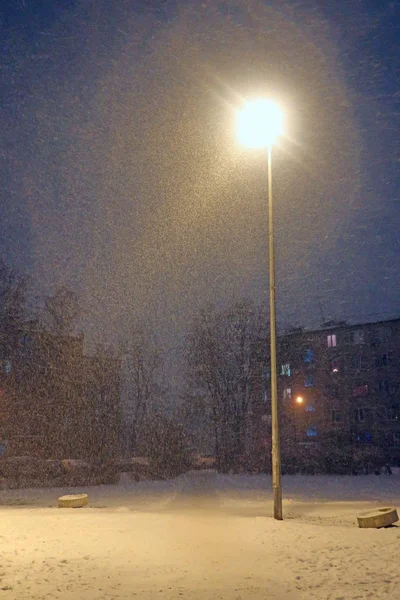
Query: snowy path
x,y
200,537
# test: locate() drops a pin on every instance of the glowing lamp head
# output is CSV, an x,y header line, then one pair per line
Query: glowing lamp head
x,y
259,123
299,400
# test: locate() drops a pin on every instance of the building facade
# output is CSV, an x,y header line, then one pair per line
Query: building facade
x,y
339,390
55,402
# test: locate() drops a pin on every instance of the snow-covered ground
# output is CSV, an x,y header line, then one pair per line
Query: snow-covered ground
x,y
202,536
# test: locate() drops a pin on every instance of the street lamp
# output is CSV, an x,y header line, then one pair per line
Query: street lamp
x,y
259,124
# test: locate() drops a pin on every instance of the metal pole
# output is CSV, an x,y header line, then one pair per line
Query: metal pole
x,y
276,452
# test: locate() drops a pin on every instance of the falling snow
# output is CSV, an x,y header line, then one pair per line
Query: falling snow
x,y
124,185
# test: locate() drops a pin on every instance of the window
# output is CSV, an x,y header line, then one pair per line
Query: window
x,y
358,363
335,366
364,438
360,390
333,391
310,408
359,414
387,387
285,369
387,359
356,337
287,393
267,419
383,385
392,413
331,339
311,431
6,366
25,341
309,356
309,380
382,334
384,360
396,439
336,417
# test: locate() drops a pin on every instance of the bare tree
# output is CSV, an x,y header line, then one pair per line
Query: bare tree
x,y
12,315
224,366
12,298
61,310
102,383
143,364
165,442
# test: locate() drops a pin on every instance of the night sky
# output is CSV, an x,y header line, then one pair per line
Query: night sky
x,y
121,176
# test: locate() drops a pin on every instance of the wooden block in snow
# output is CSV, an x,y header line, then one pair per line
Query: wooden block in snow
x,y
73,501
380,517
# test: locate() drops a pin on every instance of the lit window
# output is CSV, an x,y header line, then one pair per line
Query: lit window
x,y
6,366
287,393
310,408
285,369
336,416
311,431
364,438
331,340
309,355
309,380
335,366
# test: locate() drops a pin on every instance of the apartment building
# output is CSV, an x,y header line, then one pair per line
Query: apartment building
x,y
339,390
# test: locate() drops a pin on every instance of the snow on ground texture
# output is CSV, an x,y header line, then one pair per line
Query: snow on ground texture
x,y
202,536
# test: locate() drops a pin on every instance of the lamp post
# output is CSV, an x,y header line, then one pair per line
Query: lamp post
x,y
259,124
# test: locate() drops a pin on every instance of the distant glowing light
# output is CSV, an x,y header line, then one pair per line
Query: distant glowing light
x,y
259,123
299,400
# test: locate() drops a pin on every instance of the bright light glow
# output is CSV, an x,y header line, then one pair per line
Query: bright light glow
x,y
299,400
259,123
